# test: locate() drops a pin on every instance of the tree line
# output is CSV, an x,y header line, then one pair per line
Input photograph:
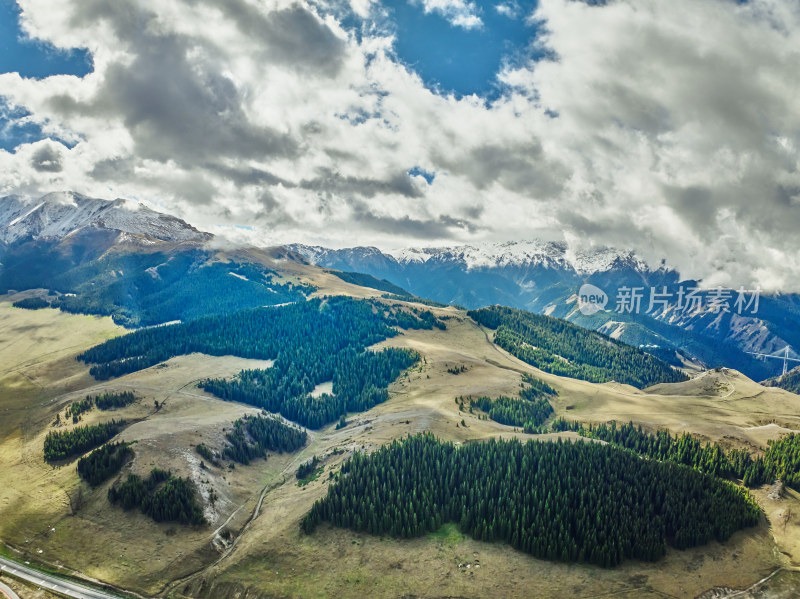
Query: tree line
x,y
789,381
113,401
308,468
31,303
105,401
61,445
782,459
76,408
559,347
529,411
580,501
364,280
272,333
205,452
154,288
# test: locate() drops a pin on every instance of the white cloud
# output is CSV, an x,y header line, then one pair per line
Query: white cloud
x,y
671,128
508,9
459,13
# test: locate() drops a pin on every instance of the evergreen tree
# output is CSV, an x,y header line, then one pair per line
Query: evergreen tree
x,y
561,501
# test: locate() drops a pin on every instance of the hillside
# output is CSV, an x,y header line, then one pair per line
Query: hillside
x,y
562,348
545,277
122,259
789,381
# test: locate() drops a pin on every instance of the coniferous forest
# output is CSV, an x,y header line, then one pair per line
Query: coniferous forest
x,y
583,501
292,334
76,408
61,445
781,460
162,496
144,288
311,342
359,383
32,303
559,347
529,411
103,463
105,402
113,401
253,436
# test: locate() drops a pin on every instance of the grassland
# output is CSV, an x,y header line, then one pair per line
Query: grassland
x,y
254,547
275,559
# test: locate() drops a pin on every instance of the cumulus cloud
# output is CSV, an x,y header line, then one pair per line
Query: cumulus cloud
x,y
47,158
671,128
512,10
458,12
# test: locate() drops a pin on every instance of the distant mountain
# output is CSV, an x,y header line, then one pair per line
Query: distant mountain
x,y
61,214
122,259
545,277
525,254
112,254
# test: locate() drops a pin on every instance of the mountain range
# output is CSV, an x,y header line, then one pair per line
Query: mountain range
x,y
111,254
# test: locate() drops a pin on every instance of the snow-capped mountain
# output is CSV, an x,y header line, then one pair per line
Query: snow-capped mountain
x,y
515,254
523,253
61,214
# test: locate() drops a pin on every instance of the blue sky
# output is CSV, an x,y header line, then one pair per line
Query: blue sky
x,y
29,58
32,58
455,59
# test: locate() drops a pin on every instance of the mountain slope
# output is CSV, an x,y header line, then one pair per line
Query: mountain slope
x,y
545,277
58,215
559,347
789,381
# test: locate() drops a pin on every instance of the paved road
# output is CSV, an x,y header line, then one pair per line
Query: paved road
x,y
52,583
6,592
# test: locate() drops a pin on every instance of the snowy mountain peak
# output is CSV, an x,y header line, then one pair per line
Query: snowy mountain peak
x,y
533,252
515,254
60,214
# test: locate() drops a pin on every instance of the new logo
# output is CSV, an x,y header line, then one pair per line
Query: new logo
x,y
591,299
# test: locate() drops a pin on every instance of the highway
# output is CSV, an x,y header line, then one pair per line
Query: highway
x,y
6,592
51,583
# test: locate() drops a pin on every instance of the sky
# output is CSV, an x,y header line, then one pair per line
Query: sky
x,y
669,128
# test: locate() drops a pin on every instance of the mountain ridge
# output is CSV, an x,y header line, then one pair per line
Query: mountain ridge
x,y
531,252
58,215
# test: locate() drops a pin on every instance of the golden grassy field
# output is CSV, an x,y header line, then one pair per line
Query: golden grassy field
x,y
270,557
